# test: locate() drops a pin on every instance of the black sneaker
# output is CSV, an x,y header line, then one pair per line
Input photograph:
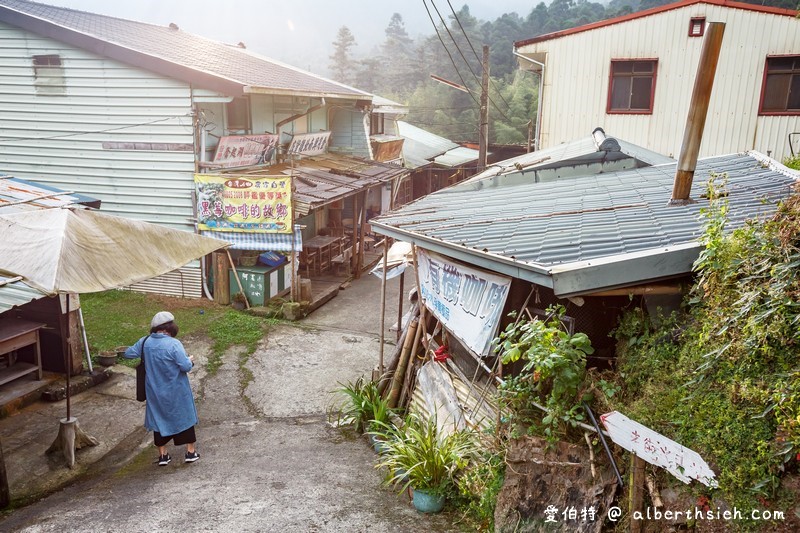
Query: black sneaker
x,y
163,460
192,457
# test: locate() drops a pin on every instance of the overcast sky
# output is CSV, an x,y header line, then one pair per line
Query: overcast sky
x,y
299,32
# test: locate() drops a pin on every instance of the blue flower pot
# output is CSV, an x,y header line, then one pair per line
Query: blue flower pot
x,y
425,502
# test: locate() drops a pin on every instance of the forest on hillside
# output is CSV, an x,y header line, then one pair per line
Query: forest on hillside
x,y
400,68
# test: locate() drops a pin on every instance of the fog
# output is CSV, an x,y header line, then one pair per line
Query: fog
x,y
298,32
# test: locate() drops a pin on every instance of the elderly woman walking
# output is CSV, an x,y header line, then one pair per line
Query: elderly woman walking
x,y
170,412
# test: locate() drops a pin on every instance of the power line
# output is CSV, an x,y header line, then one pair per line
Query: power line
x,y
469,42
455,43
464,83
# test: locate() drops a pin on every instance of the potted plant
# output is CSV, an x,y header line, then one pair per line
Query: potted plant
x,y
417,456
107,357
362,405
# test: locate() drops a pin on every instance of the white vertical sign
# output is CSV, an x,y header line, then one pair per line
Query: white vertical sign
x,y
656,449
468,301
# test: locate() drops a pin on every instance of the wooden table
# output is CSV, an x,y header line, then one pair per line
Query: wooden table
x,y
322,244
16,334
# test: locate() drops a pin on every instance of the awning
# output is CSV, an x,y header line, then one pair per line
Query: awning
x,y
324,179
275,242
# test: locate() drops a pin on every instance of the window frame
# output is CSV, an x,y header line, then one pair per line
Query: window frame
x,y
702,21
772,113
248,121
49,78
377,124
654,76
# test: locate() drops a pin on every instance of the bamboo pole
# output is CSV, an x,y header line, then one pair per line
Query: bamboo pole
x,y
397,380
394,359
400,306
411,362
636,492
422,309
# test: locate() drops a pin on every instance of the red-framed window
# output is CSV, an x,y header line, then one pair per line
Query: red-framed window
x,y
780,92
632,86
697,26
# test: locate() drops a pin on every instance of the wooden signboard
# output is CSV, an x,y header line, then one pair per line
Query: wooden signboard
x,y
656,449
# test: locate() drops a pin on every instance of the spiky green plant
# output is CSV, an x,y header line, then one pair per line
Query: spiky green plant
x,y
360,404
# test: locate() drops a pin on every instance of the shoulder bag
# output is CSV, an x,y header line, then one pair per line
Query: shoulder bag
x,y
141,394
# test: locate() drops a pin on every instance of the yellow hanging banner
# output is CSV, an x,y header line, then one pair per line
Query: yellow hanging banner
x,y
251,204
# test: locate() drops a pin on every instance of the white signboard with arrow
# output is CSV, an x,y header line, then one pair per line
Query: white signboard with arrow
x,y
655,448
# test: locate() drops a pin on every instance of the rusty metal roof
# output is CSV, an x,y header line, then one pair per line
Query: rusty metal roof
x,y
18,195
171,52
583,235
323,179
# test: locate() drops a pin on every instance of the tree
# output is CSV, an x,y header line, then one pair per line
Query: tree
x,y
342,65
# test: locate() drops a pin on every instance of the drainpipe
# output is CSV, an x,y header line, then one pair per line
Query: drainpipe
x,y
698,110
539,98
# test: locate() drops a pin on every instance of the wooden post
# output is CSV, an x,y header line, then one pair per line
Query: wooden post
x,y
354,256
484,131
406,379
636,492
422,315
361,230
222,282
698,110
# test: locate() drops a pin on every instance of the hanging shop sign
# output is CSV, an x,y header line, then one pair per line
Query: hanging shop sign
x,y
251,204
310,143
245,150
656,449
467,301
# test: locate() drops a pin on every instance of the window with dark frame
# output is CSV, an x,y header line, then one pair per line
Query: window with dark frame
x,y
632,86
781,92
376,124
238,114
697,26
48,73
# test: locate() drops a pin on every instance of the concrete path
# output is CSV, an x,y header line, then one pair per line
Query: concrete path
x,y
269,459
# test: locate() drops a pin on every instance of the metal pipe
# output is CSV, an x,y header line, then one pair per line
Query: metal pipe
x,y
85,340
540,98
698,110
605,444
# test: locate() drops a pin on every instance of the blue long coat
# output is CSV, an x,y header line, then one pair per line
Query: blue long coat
x,y
170,405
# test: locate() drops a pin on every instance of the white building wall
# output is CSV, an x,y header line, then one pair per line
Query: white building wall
x,y
74,140
577,81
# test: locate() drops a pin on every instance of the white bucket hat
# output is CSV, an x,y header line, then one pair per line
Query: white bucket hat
x,y
162,317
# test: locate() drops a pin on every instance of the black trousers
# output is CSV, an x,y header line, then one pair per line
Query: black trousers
x,y
186,436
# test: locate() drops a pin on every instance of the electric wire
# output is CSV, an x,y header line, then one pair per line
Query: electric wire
x,y
469,42
455,43
79,133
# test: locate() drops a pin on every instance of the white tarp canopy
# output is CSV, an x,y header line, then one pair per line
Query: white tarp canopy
x,y
81,251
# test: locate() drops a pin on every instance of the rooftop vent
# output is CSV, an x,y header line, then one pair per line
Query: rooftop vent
x,y
173,26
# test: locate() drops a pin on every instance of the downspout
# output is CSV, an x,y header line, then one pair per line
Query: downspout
x,y
539,97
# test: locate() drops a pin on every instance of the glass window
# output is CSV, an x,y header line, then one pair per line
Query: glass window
x,y
632,86
48,73
781,94
238,114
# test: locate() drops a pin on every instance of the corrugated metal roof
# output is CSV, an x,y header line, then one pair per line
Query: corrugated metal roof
x,y
456,156
581,152
322,179
19,195
583,235
169,51
15,294
423,147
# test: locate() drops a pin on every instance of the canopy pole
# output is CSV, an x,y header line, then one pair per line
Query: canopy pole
x,y
238,281
422,307
383,301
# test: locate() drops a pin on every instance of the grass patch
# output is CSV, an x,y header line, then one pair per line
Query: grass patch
x,y
120,318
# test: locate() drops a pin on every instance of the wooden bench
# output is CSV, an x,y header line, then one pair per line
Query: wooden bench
x,y
343,260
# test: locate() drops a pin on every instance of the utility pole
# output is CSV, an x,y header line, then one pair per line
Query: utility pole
x,y
484,120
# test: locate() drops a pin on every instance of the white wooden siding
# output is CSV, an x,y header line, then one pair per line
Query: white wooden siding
x,y
577,81
58,139
350,135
